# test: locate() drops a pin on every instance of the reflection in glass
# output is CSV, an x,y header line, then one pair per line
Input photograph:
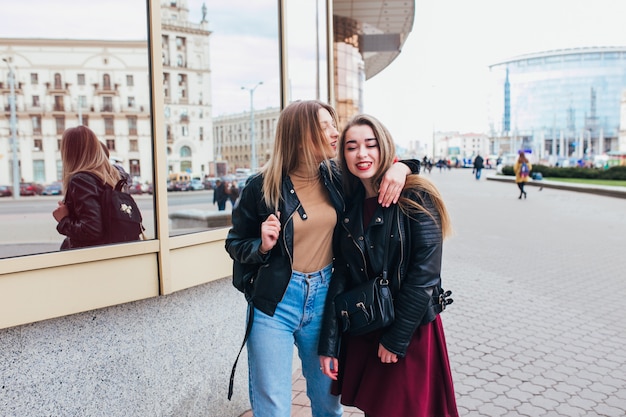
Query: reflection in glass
x,y
70,69
306,50
210,51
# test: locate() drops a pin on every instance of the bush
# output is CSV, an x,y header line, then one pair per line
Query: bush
x,y
613,173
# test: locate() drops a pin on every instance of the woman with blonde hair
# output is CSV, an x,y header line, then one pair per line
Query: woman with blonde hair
x,y
281,244
86,171
401,370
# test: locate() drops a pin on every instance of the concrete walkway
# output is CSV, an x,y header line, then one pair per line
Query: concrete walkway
x,y
538,325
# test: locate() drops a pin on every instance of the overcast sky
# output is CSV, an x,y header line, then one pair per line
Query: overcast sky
x,y
437,82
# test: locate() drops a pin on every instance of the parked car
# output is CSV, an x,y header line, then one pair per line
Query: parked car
x,y
135,188
6,191
30,188
209,183
56,188
196,184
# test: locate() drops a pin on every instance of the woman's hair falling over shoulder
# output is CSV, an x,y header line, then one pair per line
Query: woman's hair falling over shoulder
x,y
81,151
299,138
416,186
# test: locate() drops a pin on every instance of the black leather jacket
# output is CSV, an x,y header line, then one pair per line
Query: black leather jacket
x,y
264,278
414,266
83,226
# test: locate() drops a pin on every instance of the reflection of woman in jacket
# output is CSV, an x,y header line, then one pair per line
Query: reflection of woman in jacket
x,y
281,244
402,370
86,170
522,173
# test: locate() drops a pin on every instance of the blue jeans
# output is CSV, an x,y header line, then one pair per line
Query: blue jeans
x,y
298,321
478,171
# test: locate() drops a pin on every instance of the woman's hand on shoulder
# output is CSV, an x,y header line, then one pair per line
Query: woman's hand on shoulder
x,y
392,184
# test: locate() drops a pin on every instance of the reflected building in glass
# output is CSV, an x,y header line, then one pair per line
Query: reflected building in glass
x,y
186,89
62,83
367,38
558,104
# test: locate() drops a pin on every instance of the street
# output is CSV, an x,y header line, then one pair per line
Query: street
x,y
28,226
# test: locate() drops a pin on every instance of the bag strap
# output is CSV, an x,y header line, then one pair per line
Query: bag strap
x,y
245,339
387,239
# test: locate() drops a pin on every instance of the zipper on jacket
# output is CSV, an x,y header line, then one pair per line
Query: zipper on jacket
x,y
289,219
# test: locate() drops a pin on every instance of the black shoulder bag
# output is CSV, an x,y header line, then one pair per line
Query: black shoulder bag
x,y
369,306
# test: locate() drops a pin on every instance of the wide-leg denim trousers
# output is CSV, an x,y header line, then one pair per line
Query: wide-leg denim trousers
x,y
298,321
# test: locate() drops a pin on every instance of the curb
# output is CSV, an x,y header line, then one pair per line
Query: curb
x,y
605,190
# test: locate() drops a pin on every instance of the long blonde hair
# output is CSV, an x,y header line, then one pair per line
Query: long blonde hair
x,y
415,184
81,151
299,139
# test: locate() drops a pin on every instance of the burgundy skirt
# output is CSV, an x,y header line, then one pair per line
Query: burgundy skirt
x,y
418,385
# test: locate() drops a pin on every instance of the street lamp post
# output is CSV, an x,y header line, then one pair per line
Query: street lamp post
x,y
253,165
13,123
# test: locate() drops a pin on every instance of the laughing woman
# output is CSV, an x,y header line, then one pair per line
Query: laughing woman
x,y
401,370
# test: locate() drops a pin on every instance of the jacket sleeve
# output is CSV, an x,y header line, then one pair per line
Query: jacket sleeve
x,y
423,272
84,222
244,238
330,335
413,164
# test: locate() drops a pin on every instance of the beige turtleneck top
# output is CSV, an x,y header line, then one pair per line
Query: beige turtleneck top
x,y
313,235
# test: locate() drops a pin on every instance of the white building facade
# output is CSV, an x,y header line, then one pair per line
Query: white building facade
x,y
100,84
105,85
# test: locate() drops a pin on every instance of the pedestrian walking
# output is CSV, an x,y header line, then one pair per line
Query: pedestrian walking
x,y
522,170
478,165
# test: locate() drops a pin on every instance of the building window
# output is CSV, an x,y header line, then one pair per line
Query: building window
x,y
135,168
39,172
59,169
108,126
37,145
185,152
184,130
132,126
111,144
182,86
133,145
58,83
184,115
60,124
106,81
82,102
107,104
85,120
80,79
58,103
36,124
36,101
201,133
166,85
131,102
130,81
34,78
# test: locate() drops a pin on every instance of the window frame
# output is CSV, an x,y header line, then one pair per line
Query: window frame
x,y
43,286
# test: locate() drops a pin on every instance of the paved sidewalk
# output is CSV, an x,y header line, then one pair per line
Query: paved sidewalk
x,y
538,325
